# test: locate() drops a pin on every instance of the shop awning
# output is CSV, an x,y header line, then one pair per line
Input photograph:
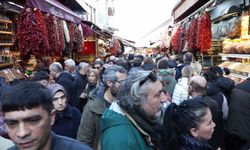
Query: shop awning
x,y
56,8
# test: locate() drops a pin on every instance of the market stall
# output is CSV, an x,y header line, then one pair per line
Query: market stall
x,y
39,32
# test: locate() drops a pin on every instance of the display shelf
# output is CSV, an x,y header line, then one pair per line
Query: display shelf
x,y
238,76
5,32
225,56
6,44
5,21
5,65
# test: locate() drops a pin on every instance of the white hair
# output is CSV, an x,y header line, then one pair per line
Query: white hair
x,y
70,62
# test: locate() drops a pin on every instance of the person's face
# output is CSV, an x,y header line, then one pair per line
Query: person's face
x,y
98,67
205,129
60,101
67,68
30,129
52,73
43,82
84,70
116,84
92,78
152,104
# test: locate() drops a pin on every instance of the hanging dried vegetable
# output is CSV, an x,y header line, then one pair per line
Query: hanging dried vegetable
x,y
31,39
175,39
72,35
61,42
204,33
42,30
192,36
79,40
52,38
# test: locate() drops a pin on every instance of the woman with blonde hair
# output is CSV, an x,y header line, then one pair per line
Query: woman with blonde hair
x,y
93,82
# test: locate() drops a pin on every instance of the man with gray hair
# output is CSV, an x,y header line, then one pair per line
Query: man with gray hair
x,y
99,100
81,81
133,116
70,66
66,80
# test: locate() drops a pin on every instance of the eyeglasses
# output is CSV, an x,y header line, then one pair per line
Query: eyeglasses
x,y
152,77
96,67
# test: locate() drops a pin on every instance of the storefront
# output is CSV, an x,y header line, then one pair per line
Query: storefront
x,y
37,32
217,31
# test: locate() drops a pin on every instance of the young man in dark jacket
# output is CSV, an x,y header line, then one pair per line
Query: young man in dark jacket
x,y
28,115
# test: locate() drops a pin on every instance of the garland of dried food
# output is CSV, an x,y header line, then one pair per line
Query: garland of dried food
x,y
175,39
192,36
42,30
30,33
61,42
204,33
52,34
72,35
79,40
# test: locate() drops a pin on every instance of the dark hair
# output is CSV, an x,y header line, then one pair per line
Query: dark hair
x,y
41,75
137,62
178,120
162,64
210,76
124,63
227,71
26,95
216,69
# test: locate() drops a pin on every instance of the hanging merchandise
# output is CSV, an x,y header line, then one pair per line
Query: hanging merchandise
x,y
61,39
175,39
192,36
72,35
115,46
66,31
204,33
79,40
30,34
44,43
52,38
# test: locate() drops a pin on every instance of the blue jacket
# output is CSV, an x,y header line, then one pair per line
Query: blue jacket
x,y
67,122
63,143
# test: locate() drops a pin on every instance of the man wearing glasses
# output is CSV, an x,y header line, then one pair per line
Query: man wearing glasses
x,y
99,100
130,122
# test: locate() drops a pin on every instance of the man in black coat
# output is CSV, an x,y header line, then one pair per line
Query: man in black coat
x,y
66,80
238,123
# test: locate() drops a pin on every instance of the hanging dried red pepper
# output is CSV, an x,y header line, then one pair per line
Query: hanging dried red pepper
x,y
30,39
52,38
192,36
175,39
204,33
44,44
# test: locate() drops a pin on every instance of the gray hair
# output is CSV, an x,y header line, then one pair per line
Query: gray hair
x,y
56,66
83,65
70,62
134,90
110,73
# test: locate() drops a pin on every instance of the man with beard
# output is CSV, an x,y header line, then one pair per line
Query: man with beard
x,y
99,100
130,123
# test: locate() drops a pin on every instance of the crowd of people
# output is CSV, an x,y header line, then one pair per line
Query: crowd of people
x,y
132,103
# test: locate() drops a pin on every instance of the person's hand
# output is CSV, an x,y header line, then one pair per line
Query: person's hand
x,y
83,95
218,148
